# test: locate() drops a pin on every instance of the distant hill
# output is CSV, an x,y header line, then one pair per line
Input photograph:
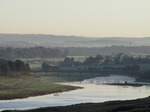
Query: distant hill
x,y
113,50
32,40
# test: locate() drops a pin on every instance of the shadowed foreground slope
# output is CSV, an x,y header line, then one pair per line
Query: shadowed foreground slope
x,y
139,105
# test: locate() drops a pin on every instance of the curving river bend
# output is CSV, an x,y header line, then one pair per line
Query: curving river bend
x,y
93,91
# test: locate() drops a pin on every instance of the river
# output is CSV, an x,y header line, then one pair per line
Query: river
x,y
93,91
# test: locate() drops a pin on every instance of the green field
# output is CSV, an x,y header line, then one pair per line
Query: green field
x,y
39,84
25,86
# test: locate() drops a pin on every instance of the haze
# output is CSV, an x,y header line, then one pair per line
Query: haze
x,y
92,18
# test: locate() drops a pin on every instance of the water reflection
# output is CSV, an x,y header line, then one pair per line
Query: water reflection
x,y
93,92
110,79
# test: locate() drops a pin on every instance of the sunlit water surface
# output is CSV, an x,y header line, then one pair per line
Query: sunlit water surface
x,y
93,91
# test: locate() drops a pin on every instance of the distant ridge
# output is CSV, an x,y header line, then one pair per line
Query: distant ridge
x,y
46,40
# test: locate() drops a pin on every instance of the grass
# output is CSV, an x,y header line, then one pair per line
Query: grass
x,y
39,84
139,105
23,87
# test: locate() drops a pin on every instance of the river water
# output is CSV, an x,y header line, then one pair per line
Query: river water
x,y
93,91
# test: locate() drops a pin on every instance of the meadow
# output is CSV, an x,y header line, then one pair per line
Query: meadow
x,y
26,86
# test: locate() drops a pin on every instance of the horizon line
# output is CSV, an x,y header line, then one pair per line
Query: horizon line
x,y
75,35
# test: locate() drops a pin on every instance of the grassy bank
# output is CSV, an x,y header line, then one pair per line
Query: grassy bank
x,y
39,84
23,87
139,105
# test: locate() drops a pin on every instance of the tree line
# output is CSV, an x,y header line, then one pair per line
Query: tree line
x,y
13,68
37,52
99,63
34,52
119,58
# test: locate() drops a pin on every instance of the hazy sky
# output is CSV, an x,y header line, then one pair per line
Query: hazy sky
x,y
98,18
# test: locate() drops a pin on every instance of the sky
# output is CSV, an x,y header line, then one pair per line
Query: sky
x,y
90,18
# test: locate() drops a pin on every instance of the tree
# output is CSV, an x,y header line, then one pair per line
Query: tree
x,y
12,66
131,60
45,66
117,58
20,66
135,67
99,58
125,59
90,60
8,67
27,67
146,74
107,60
68,62
5,67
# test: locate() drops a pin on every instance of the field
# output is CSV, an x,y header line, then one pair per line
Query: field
x,y
25,86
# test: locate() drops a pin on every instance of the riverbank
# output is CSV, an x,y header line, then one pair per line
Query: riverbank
x,y
139,105
125,84
27,86
39,84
